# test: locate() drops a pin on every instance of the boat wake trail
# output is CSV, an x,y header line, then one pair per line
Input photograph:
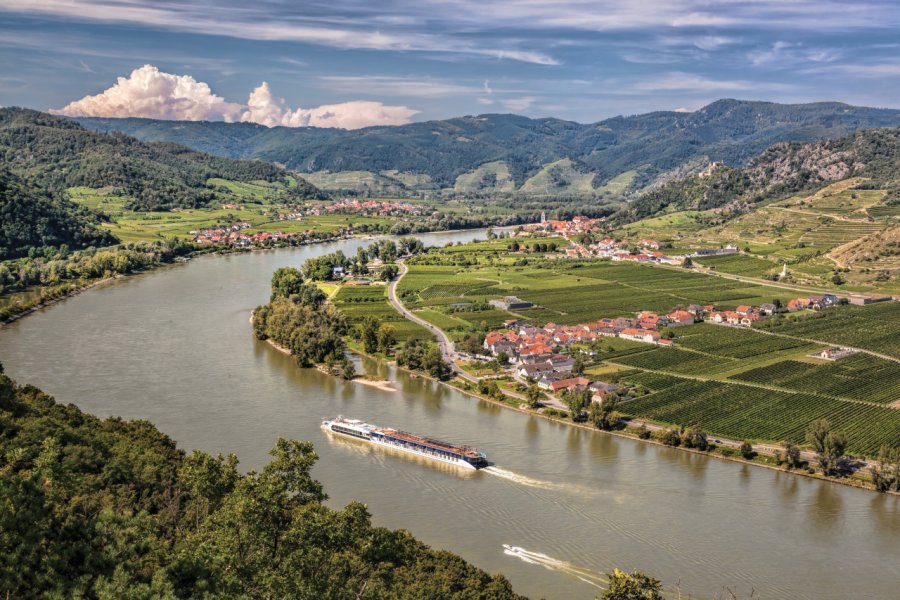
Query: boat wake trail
x,y
532,482
554,564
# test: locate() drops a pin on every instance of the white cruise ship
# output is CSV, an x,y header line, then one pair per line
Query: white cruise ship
x,y
461,456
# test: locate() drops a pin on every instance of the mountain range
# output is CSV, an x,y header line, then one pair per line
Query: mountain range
x,y
498,153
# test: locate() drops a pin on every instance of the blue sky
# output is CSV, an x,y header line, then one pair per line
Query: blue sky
x,y
390,62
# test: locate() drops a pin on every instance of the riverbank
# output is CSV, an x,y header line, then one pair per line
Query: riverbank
x,y
631,432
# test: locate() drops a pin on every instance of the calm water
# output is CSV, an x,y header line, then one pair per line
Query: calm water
x,y
175,347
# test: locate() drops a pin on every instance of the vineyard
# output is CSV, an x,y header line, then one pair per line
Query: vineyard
x,y
859,377
742,412
839,232
734,342
871,327
358,302
739,264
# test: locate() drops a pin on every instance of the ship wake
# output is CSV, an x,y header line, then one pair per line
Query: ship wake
x,y
555,564
532,482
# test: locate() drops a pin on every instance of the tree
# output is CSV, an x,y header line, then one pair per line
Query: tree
x,y
604,414
435,364
369,334
886,472
533,394
747,450
828,445
348,370
669,437
693,437
688,263
789,455
578,401
386,338
632,586
388,272
578,367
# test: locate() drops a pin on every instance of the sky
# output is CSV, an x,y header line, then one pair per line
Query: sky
x,y
354,63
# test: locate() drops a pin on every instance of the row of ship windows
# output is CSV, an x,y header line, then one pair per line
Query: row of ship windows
x,y
352,432
426,449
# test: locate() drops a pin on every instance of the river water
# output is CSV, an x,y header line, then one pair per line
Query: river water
x,y
561,504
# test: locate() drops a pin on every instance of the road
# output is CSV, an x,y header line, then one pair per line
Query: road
x,y
449,354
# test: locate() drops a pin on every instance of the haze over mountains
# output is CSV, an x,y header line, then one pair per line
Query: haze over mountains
x,y
500,153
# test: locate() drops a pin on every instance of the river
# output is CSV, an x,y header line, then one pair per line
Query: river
x,y
175,347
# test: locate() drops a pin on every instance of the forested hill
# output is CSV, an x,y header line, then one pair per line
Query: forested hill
x,y
113,509
781,170
32,218
647,147
57,153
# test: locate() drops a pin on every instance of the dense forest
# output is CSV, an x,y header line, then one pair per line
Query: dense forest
x,y
113,509
780,171
57,153
31,219
298,318
651,145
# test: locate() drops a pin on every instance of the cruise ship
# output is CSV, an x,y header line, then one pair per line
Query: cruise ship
x,y
461,456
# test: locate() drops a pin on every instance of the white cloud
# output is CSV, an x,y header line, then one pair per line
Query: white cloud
x,y
153,94
683,109
398,86
519,104
150,93
265,109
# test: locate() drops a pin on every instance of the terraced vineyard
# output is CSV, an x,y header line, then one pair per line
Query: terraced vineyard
x,y
870,327
859,377
884,211
839,232
742,412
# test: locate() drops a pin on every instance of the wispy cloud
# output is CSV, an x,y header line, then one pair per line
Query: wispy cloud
x,y
398,86
678,81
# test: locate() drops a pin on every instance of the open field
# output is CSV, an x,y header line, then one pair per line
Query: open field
x,y
360,301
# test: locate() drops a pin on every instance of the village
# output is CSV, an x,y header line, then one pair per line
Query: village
x,y
372,208
548,355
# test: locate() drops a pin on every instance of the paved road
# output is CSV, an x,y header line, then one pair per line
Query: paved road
x,y
448,351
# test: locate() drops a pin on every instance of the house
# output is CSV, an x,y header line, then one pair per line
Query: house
x,y
696,309
603,390
680,318
640,335
862,299
569,384
337,272
561,363
717,317
748,320
768,308
796,304
732,317
535,371
819,302
649,244
743,309
510,302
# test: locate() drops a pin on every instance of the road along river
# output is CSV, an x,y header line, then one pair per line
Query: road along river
x,y
561,505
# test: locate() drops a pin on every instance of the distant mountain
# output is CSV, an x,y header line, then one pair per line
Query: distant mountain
x,y
31,218
781,170
56,153
496,153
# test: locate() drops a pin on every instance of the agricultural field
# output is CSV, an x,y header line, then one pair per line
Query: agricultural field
x,y
360,301
837,199
873,327
859,377
739,264
742,412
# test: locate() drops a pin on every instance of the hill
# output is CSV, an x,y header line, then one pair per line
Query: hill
x,y
488,150
57,154
781,170
94,508
31,219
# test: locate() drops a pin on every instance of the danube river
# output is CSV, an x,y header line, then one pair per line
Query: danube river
x,y
561,505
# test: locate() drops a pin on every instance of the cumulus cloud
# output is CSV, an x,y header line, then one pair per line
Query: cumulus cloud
x,y
265,109
153,94
150,93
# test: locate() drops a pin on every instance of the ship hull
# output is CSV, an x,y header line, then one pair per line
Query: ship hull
x,y
379,441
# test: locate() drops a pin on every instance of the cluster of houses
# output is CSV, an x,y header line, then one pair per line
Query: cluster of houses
x,y
233,235
579,224
375,208
619,251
